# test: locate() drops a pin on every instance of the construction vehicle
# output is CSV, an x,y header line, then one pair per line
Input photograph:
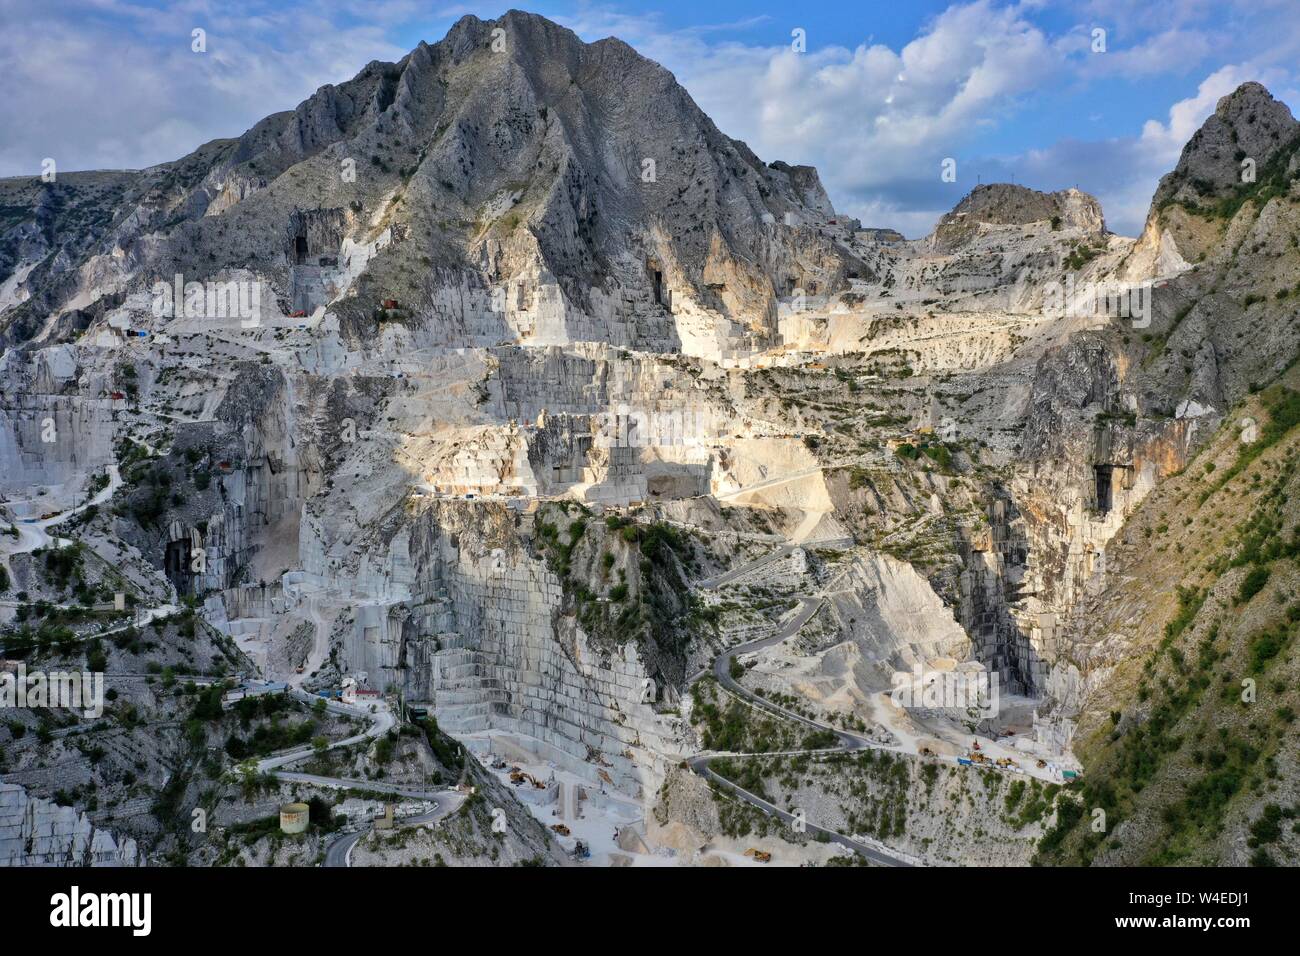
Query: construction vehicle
x,y
581,851
300,314
560,828
519,777
761,856
1041,764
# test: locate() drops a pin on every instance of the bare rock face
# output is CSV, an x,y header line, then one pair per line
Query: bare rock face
x,y
1248,123
515,156
35,832
999,250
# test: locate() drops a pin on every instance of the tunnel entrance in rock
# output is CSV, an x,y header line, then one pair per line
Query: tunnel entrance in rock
x,y
176,564
299,250
1103,478
659,287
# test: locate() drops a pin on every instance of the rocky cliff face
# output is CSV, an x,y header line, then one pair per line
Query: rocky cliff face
x,y
35,832
1178,663
1220,330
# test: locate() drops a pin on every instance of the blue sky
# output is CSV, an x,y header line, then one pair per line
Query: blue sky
x,y
883,93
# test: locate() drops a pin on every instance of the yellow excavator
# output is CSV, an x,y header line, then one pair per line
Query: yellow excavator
x,y
517,777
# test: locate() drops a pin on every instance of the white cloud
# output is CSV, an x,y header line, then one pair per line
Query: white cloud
x,y
1123,171
1164,141
876,119
871,118
112,85
1174,51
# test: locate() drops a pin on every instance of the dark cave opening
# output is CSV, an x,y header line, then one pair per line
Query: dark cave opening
x,y
1103,478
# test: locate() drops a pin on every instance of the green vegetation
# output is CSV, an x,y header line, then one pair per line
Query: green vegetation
x,y
447,751
1282,405
1081,255
1215,699
728,724
647,600
936,452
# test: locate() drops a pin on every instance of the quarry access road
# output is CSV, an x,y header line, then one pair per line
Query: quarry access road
x,y
727,577
376,786
339,852
32,533
770,558
143,618
320,635
847,740
794,476
722,673
700,765
383,720
382,723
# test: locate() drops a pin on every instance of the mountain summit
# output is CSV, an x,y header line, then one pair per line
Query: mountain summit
x,y
580,178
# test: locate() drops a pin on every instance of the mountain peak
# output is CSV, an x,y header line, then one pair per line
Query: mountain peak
x,y
510,152
1008,204
1247,123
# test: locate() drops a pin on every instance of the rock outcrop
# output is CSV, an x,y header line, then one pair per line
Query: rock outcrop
x,y
36,832
1003,204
